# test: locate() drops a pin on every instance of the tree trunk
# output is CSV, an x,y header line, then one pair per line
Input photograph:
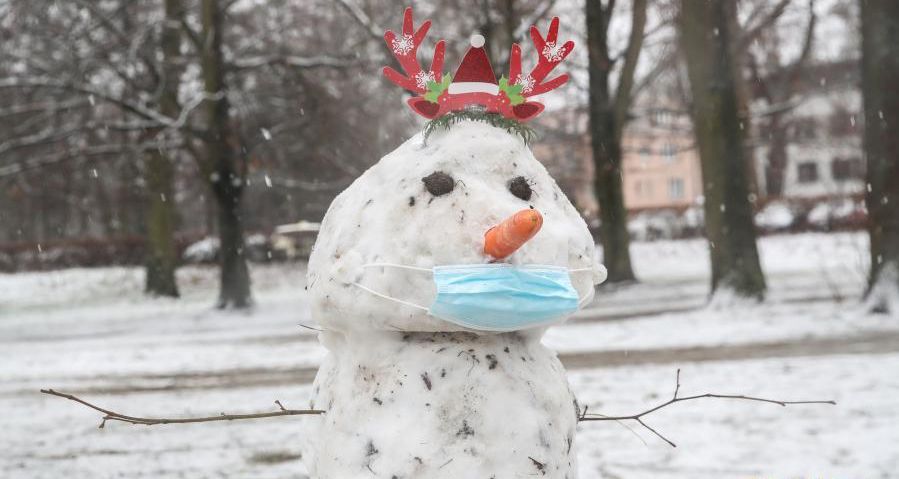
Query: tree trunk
x,y
227,172
606,147
705,39
775,172
161,255
880,77
235,283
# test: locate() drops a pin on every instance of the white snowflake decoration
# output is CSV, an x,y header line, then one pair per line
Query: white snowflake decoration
x,y
526,82
403,45
422,78
553,52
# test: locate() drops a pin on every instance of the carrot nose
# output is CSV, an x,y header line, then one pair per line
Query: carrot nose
x,y
506,237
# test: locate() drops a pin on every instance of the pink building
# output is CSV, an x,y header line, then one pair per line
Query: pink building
x,y
660,164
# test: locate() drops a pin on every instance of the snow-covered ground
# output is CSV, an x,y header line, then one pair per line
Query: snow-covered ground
x,y
92,332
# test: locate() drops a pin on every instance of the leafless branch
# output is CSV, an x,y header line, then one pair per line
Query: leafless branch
x,y
42,82
795,68
114,416
34,163
373,30
43,106
538,17
53,135
624,92
752,31
291,60
675,399
110,25
312,185
155,116
667,61
192,34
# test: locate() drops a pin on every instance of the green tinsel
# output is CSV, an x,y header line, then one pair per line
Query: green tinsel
x,y
511,126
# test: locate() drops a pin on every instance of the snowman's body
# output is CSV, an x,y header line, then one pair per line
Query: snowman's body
x,y
434,405
410,395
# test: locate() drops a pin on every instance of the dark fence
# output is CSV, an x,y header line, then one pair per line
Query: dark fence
x,y
82,252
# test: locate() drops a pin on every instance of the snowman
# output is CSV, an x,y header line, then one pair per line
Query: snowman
x,y
433,278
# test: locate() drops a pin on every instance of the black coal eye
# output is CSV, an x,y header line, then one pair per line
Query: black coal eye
x,y
439,183
519,187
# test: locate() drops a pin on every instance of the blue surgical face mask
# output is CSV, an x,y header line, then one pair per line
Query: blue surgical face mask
x,y
497,297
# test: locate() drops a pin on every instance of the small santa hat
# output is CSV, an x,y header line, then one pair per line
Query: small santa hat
x,y
474,74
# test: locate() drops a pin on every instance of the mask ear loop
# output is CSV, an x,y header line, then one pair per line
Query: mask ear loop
x,y
372,265
583,300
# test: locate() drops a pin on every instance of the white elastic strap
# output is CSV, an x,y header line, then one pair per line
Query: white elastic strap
x,y
583,300
373,265
391,298
416,268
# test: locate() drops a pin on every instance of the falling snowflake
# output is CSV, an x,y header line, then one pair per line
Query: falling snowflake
x,y
553,52
403,45
526,82
422,78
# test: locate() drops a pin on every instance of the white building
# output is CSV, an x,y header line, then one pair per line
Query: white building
x,y
824,151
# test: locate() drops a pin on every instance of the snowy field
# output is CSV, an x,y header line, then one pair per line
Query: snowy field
x,y
91,332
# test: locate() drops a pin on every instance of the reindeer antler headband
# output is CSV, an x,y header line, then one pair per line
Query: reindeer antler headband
x,y
474,82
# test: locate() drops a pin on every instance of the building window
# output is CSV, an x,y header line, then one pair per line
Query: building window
x,y
669,152
643,188
808,172
842,169
662,117
805,129
675,188
842,123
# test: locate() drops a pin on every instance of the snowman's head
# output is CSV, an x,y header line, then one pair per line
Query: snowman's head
x,y
431,204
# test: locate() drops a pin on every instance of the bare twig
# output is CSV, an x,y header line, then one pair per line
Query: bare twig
x,y
86,89
77,153
364,21
292,61
114,416
639,416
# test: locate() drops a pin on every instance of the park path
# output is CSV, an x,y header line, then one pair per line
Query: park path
x,y
877,342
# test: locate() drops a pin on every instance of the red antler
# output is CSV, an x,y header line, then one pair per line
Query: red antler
x,y
551,54
404,48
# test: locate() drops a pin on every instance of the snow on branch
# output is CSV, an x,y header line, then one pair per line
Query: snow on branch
x,y
114,416
675,399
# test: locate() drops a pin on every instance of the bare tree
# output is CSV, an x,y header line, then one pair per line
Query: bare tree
x,y
777,81
705,39
223,164
880,77
105,128
608,115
